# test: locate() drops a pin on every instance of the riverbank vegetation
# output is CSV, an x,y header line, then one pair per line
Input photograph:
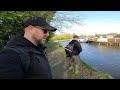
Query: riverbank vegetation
x,y
65,36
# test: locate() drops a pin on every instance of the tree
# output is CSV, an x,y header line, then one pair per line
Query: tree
x,y
12,22
66,19
97,35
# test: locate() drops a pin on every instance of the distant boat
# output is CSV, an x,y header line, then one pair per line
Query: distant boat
x,y
90,41
83,40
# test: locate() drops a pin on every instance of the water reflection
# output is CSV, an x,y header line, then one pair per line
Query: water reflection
x,y
103,58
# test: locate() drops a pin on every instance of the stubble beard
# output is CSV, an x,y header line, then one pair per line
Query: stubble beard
x,y
42,42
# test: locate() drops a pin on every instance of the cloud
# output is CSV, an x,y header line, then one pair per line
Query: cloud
x,y
92,28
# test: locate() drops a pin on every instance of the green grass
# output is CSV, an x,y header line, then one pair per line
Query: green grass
x,y
103,75
88,66
62,40
107,76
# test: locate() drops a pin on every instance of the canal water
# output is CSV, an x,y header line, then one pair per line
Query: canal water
x,y
103,58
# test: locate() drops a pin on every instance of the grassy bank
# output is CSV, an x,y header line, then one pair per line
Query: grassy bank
x,y
62,40
94,72
58,63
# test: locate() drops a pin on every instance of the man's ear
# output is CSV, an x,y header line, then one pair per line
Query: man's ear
x,y
30,28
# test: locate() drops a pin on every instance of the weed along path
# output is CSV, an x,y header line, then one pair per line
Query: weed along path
x,y
59,65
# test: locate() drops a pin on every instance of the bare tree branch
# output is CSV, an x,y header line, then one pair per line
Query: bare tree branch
x,y
66,19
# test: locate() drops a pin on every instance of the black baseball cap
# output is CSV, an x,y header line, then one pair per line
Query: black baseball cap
x,y
39,21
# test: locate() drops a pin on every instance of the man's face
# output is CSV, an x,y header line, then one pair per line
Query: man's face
x,y
40,35
75,38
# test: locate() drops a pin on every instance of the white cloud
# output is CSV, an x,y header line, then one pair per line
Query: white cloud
x,y
92,28
103,28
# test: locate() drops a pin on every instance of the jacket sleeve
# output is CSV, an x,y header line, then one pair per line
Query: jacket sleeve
x,y
79,47
10,65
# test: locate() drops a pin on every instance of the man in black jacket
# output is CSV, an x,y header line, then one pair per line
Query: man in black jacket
x,y
37,66
77,47
76,51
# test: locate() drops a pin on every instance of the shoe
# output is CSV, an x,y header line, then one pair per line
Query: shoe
x,y
77,69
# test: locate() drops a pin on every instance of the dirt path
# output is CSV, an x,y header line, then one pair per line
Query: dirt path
x,y
56,60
